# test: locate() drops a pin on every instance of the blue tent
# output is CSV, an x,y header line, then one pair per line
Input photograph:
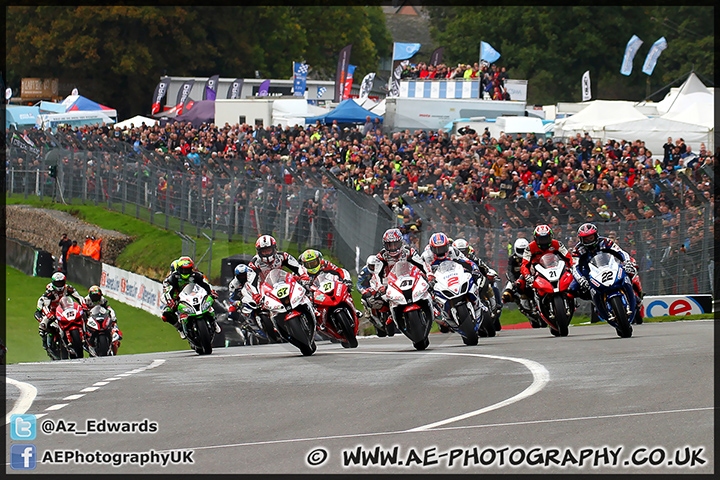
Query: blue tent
x,y
21,116
78,103
347,111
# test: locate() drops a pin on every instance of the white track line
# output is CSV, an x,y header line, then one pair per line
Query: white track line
x,y
23,403
402,432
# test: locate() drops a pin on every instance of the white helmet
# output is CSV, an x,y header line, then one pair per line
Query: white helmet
x,y
372,263
520,245
462,245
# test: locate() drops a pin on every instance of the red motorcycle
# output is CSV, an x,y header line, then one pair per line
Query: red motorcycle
x,y
337,319
552,299
71,324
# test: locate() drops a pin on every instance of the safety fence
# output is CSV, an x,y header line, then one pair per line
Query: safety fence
x,y
668,228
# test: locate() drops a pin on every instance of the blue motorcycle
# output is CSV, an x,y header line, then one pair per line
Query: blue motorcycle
x,y
612,293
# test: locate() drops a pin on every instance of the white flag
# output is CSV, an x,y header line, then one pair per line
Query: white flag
x,y
586,95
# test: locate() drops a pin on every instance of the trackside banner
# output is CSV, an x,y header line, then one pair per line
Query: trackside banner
x,y
132,289
662,305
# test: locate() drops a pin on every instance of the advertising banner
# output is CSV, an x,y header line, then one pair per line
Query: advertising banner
x,y
132,289
663,305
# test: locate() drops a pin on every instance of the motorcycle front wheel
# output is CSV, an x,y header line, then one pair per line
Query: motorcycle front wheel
x,y
624,329
466,325
561,318
346,324
102,346
204,339
76,346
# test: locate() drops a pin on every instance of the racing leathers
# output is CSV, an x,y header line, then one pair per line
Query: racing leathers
x,y
329,267
261,268
407,254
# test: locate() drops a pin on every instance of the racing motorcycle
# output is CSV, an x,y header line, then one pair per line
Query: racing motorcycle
x,y
410,302
197,316
489,313
611,287
337,318
378,311
550,293
456,294
99,328
69,318
291,309
525,305
495,306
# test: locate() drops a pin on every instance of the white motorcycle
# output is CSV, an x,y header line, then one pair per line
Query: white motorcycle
x,y
456,294
408,294
291,309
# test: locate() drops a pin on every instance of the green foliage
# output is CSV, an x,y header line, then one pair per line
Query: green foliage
x,y
117,54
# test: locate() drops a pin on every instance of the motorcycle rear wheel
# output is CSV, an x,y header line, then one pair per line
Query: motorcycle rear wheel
x,y
76,346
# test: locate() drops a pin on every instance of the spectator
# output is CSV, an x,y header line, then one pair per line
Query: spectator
x,y
65,245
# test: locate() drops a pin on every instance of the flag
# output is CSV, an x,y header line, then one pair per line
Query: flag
x,y
394,89
160,92
436,57
653,54
366,85
320,91
342,67
210,90
348,82
300,78
235,89
403,51
586,95
183,95
488,53
264,89
630,50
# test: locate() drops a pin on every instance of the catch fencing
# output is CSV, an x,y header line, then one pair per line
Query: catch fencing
x,y
674,247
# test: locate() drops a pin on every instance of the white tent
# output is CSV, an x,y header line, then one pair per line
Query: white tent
x,y
692,90
73,119
596,117
655,132
290,112
137,120
378,108
697,113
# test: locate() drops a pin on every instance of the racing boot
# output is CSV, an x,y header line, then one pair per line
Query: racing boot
x,y
179,328
507,296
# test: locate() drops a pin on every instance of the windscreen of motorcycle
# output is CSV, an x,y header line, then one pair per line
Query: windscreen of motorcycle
x,y
550,266
451,279
605,269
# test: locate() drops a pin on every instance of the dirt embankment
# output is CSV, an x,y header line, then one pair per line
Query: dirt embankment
x,y
43,228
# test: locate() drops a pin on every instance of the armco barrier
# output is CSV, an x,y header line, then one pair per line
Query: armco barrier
x,y
28,259
83,270
662,305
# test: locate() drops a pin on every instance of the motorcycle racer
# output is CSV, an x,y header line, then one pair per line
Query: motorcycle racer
x,y
96,297
543,242
590,244
394,251
314,263
174,284
269,258
48,302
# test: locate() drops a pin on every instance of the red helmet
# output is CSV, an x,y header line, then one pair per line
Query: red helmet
x,y
588,235
266,247
543,236
439,244
392,241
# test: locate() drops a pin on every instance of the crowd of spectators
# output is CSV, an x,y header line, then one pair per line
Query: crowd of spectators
x,y
492,78
416,174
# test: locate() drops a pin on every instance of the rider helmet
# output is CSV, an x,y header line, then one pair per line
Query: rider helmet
x,y
519,247
311,260
241,273
58,281
392,241
266,247
184,267
543,236
371,262
462,245
95,293
588,235
439,244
